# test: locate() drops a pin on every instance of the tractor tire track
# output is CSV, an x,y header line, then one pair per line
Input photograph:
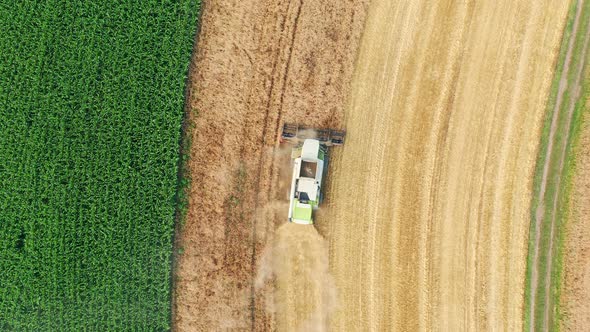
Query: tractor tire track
x,y
266,188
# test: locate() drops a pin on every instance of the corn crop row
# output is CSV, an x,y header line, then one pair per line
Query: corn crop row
x,y
91,101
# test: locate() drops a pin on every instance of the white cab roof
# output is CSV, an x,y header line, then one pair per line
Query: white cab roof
x,y
310,150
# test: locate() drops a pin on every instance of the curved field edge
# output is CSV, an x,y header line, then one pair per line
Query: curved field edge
x,y
91,101
542,309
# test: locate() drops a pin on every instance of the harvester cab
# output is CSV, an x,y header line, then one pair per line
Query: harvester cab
x,y
309,157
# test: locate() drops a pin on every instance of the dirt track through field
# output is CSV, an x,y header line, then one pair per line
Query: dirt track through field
x,y
430,196
544,321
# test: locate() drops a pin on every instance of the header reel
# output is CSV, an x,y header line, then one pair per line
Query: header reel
x,y
296,134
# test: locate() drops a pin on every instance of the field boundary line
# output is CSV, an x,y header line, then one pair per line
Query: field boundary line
x,y
184,176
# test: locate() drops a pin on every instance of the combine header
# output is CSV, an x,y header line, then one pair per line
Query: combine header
x,y
310,161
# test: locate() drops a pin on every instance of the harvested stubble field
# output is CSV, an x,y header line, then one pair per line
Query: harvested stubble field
x,y
575,300
574,305
443,132
575,296
91,101
427,209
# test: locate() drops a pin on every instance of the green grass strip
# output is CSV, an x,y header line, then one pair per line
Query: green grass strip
x,y
555,187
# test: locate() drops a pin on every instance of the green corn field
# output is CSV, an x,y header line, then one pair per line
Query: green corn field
x,y
91,104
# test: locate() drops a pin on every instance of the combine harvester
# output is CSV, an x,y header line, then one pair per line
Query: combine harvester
x,y
310,162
